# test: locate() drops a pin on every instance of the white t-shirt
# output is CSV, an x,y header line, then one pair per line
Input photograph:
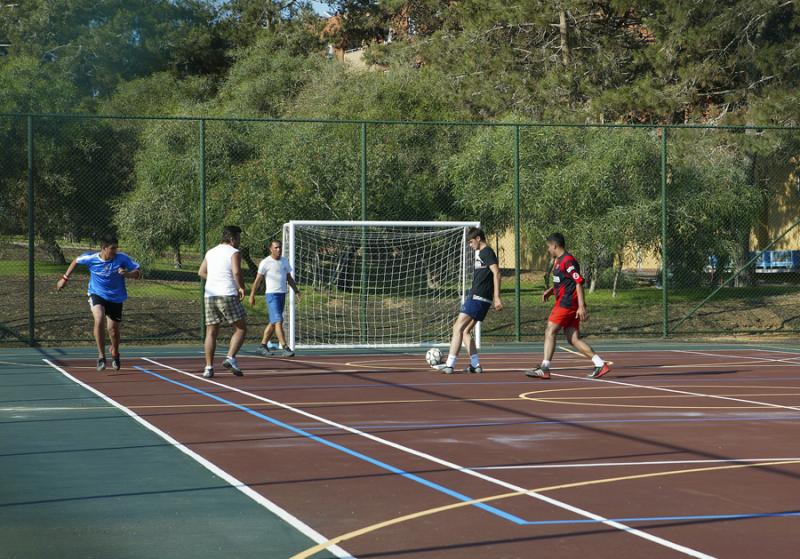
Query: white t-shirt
x,y
274,272
220,281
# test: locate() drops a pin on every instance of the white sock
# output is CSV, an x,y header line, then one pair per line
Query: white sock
x,y
451,361
597,360
474,360
545,364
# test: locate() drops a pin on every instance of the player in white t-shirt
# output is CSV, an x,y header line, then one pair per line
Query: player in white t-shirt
x,y
224,291
277,273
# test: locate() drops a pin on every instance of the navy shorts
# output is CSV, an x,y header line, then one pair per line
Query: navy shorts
x,y
475,308
112,310
276,302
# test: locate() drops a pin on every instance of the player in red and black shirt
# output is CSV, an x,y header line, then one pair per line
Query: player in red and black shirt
x,y
568,312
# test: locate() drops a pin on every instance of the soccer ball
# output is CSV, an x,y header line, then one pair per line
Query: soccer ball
x,y
433,357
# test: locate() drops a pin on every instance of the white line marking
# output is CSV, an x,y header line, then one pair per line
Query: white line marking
x,y
686,392
628,464
284,515
792,361
560,504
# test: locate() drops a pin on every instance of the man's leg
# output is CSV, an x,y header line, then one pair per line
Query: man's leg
x,y
239,331
280,333
113,333
469,342
463,323
601,368
210,346
268,331
99,330
543,371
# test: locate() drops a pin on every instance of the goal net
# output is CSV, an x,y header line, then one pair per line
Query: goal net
x,y
376,284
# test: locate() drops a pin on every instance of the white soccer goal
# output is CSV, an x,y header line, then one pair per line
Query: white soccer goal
x,y
377,283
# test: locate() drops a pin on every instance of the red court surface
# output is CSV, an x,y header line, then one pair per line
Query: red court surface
x,y
676,453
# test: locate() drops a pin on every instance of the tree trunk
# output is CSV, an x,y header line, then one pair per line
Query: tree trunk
x,y
747,276
54,251
593,278
563,29
178,261
617,272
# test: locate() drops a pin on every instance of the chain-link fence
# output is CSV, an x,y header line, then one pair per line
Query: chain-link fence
x,y
719,205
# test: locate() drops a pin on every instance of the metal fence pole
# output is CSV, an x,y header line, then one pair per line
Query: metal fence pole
x,y
664,261
363,292
517,242
31,238
202,223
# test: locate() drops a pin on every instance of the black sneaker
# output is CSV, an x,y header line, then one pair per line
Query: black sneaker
x,y
115,363
263,350
101,363
539,372
475,370
208,372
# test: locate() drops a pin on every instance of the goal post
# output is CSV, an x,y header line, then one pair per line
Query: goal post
x,y
373,284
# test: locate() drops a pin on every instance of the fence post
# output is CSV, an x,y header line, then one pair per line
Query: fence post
x,y
517,242
363,285
31,238
202,223
664,260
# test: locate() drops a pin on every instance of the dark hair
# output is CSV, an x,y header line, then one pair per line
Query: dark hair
x,y
275,241
558,239
230,232
107,240
476,233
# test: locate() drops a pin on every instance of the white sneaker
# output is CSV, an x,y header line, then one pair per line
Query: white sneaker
x,y
443,368
230,363
208,372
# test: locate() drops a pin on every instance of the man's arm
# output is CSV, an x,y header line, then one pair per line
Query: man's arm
x,y
256,285
236,270
203,271
582,313
62,281
498,304
292,284
547,293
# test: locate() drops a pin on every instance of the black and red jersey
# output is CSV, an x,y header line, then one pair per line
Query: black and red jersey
x,y
566,277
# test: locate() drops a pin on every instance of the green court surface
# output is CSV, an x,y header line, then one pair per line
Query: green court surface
x,y
81,479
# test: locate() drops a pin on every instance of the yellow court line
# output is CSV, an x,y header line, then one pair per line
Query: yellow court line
x,y
311,551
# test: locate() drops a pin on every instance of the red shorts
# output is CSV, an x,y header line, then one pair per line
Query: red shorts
x,y
565,318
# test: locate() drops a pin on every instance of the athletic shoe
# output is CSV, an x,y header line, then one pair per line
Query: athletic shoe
x,y
443,368
208,372
476,370
287,352
273,345
233,366
263,351
115,362
600,371
538,372
101,363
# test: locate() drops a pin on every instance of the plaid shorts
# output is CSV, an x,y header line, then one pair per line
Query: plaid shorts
x,y
225,310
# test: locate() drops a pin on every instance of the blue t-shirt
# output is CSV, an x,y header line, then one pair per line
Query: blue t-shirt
x,y
105,279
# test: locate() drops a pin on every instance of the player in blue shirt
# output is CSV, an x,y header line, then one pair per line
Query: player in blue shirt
x,y
108,270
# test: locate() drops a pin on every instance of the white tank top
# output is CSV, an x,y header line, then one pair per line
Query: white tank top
x,y
220,281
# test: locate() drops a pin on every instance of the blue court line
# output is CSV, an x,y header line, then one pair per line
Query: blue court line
x,y
667,518
557,422
383,465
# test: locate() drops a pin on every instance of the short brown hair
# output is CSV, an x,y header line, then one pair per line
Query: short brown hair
x,y
476,233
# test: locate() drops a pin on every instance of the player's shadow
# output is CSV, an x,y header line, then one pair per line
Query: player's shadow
x,y
594,431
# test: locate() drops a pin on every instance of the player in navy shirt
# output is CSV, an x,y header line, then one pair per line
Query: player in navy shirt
x,y
485,293
108,269
568,312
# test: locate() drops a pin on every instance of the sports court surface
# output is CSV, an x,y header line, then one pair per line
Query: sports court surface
x,y
684,450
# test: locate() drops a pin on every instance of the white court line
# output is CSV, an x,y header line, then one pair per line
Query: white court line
x,y
791,361
281,513
628,464
450,465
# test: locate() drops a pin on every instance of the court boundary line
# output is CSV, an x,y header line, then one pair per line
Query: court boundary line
x,y
628,464
245,489
450,465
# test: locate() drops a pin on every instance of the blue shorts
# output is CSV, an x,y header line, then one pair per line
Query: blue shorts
x,y
275,304
475,308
